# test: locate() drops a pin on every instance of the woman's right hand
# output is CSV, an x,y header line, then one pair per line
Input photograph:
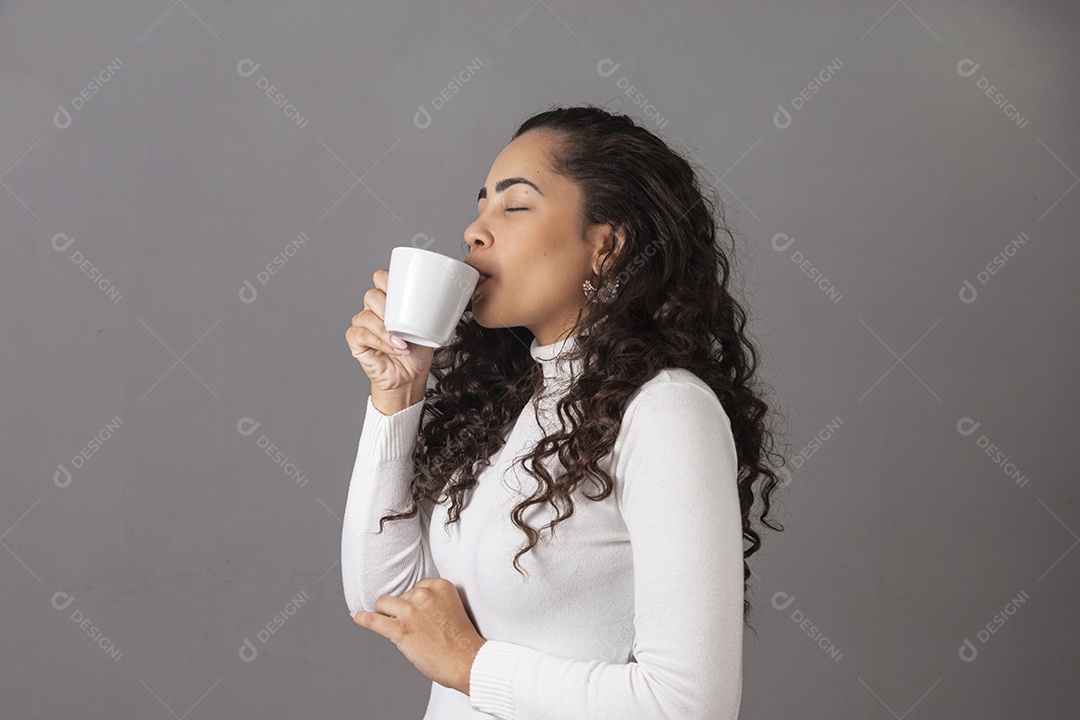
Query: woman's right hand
x,y
388,368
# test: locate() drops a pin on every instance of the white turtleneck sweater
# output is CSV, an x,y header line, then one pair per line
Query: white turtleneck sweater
x,y
633,609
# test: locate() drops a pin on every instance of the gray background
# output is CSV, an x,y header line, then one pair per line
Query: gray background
x,y
180,180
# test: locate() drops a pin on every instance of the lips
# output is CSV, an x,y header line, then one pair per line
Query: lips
x,y
483,277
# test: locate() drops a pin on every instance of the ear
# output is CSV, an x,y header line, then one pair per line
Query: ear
x,y
606,239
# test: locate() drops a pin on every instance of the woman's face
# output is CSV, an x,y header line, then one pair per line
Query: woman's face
x,y
531,240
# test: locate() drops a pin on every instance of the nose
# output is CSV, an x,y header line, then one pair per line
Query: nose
x,y
475,237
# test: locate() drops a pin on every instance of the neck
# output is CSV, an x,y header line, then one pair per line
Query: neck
x,y
554,359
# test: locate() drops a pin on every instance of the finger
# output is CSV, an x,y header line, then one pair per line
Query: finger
x,y
430,585
382,342
427,589
391,605
376,623
370,318
381,278
361,337
375,301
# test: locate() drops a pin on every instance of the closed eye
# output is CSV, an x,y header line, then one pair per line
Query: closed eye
x,y
512,209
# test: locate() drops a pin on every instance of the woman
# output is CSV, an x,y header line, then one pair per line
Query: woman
x,y
599,399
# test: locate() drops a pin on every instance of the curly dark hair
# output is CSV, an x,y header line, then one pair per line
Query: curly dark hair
x,y
674,308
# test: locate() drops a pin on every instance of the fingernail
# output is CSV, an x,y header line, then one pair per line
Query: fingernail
x,y
398,342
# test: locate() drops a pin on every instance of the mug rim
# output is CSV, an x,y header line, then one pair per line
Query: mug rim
x,y
446,259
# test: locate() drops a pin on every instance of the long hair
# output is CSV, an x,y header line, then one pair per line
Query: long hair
x,y
674,308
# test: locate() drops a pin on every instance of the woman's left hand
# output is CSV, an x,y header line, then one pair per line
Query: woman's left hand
x,y
430,627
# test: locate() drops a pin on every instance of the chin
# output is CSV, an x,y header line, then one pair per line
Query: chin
x,y
471,308
481,315
479,319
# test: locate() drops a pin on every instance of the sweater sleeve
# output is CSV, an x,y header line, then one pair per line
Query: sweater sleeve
x,y
676,482
389,563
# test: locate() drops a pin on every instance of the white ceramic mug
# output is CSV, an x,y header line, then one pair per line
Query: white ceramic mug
x,y
426,295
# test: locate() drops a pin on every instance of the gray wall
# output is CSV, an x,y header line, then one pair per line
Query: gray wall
x,y
932,403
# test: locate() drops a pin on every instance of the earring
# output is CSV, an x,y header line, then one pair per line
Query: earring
x,y
605,295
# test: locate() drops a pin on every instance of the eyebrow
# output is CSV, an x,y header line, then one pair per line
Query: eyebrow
x,y
503,184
